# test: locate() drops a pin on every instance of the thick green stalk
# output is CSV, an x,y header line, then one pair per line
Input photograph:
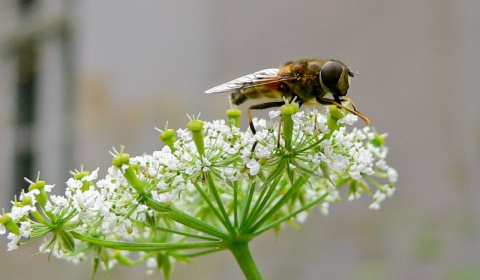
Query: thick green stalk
x,y
185,219
241,252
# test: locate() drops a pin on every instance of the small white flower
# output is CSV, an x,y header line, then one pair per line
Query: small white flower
x,y
389,191
264,151
74,184
324,208
34,192
302,217
92,176
48,188
124,167
349,119
184,134
274,113
375,205
262,135
165,197
354,195
378,197
260,124
151,263
18,213
355,171
25,229
297,118
13,244
229,173
392,175
254,167
369,171
382,164
109,223
339,162
205,163
59,200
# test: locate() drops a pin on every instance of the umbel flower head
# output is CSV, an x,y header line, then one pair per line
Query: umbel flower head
x,y
206,190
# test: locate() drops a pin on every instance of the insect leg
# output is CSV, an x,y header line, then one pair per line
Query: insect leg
x,y
351,102
325,101
260,107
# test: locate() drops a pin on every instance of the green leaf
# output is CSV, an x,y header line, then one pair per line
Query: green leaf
x,y
67,240
164,263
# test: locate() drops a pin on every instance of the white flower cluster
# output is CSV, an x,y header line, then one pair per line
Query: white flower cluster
x,y
270,183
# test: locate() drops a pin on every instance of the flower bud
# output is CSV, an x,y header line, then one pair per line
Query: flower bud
x,y
332,122
233,115
79,176
168,137
378,140
196,127
118,161
7,221
42,197
287,111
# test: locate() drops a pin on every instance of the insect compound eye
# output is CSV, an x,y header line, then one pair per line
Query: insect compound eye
x,y
330,73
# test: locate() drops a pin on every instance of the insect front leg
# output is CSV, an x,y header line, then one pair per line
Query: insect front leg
x,y
326,101
351,102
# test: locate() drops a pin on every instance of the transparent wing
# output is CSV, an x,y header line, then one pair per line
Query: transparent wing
x,y
254,79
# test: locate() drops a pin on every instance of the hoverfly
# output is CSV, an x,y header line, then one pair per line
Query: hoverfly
x,y
307,81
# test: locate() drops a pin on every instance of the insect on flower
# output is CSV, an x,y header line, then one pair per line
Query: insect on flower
x,y
307,81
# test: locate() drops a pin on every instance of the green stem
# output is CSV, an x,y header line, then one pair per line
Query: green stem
x,y
287,131
293,189
214,191
185,219
148,246
267,187
291,215
241,252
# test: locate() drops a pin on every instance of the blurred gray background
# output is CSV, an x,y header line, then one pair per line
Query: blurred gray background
x,y
78,77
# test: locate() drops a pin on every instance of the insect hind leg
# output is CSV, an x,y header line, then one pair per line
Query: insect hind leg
x,y
260,107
